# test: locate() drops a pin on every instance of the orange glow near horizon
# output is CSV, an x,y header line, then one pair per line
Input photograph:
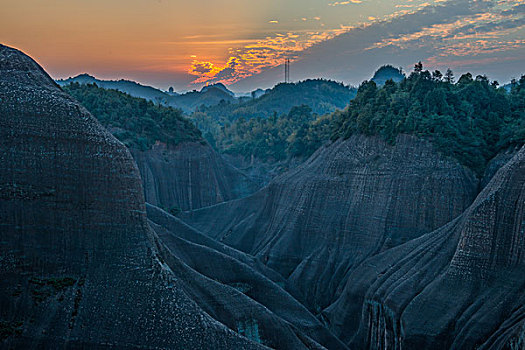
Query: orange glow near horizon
x,y
164,42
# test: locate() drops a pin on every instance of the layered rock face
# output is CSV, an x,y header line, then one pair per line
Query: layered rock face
x,y
79,263
460,287
190,176
237,289
351,200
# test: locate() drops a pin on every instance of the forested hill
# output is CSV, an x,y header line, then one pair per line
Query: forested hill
x,y
276,138
388,72
127,86
135,121
470,120
323,96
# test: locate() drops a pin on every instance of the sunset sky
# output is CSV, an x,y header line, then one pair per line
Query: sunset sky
x,y
243,43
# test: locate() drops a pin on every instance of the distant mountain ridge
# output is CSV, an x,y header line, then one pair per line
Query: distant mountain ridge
x,y
187,102
323,96
128,86
219,86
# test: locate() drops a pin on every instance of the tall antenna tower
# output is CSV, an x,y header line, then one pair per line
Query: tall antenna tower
x,y
287,71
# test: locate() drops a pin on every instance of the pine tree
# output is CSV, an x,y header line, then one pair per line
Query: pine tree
x,y
449,76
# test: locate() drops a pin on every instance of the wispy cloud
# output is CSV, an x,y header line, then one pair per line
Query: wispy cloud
x,y
440,29
349,2
476,34
259,55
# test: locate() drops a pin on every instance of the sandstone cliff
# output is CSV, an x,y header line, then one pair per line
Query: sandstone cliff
x,y
459,287
237,289
190,176
351,200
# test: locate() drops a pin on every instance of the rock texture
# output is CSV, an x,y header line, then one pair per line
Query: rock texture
x,y
351,200
191,176
237,289
79,264
459,287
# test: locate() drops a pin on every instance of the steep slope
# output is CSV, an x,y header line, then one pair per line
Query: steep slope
x,y
350,200
237,289
460,287
80,266
189,176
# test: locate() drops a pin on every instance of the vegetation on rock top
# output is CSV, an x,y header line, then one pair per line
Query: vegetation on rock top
x,y
296,134
470,120
290,120
134,121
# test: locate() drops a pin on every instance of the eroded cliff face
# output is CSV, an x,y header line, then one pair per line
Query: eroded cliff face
x,y
351,200
236,289
460,287
189,176
79,265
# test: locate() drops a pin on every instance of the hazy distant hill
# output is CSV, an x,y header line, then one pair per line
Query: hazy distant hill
x,y
323,96
208,96
219,86
130,87
387,72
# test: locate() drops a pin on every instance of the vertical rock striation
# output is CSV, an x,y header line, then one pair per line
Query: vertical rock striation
x,y
190,176
459,287
351,200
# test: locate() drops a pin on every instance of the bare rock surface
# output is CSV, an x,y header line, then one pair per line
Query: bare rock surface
x,y
351,200
79,264
459,287
237,289
190,176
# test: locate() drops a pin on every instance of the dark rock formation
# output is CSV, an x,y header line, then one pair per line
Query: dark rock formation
x,y
351,200
237,289
79,264
496,163
191,176
459,287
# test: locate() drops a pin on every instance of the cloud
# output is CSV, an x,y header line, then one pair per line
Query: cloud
x,y
459,32
482,32
477,31
259,55
207,72
201,68
339,3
